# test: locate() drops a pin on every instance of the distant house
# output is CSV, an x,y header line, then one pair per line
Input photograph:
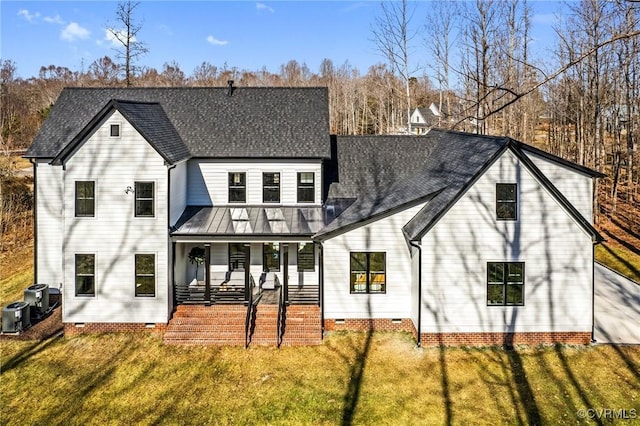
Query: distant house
x,y
423,119
453,237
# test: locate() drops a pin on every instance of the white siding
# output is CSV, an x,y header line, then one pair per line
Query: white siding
x,y
114,235
50,224
209,180
556,251
178,191
576,187
384,235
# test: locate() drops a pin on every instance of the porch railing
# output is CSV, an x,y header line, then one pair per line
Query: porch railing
x,y
250,319
282,313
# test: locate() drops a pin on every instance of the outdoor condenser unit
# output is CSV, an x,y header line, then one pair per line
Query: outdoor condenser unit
x,y
37,295
16,317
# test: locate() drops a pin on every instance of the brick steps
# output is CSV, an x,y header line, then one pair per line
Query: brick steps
x,y
224,325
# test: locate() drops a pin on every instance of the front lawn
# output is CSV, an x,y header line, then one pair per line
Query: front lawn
x,y
354,378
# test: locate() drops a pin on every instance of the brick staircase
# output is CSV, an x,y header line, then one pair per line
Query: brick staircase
x,y
224,325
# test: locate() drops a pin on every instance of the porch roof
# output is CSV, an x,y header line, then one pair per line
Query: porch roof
x,y
248,221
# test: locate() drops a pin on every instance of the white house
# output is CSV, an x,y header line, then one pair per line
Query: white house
x,y
455,238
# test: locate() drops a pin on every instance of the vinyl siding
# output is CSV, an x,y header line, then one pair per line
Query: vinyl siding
x,y
384,235
114,235
209,180
178,191
50,224
576,187
556,251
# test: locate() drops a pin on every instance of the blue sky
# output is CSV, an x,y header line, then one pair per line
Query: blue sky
x,y
245,34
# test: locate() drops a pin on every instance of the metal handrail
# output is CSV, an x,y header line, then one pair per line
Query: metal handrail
x,y
282,309
250,306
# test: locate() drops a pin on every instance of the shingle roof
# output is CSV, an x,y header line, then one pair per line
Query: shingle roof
x,y
387,174
253,122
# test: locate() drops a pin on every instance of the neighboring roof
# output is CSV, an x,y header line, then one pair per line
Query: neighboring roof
x,y
149,119
249,220
253,122
398,172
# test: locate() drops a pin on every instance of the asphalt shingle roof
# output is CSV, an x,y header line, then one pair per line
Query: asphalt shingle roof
x,y
252,122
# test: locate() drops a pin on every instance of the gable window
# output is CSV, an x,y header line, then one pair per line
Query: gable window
x,y
306,257
505,283
85,199
145,270
114,130
145,204
237,187
368,272
306,187
271,187
506,201
85,274
271,257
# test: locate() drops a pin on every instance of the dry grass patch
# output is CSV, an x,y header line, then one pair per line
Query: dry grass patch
x,y
16,273
358,378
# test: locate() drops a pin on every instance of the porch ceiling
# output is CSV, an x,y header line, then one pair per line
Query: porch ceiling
x,y
249,221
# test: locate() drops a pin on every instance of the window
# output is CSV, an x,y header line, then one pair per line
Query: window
x,y
505,283
306,257
368,272
144,199
114,130
85,199
271,257
237,187
85,274
271,187
145,275
506,201
306,187
236,257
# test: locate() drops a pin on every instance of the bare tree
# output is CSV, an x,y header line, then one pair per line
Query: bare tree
x,y
393,35
125,31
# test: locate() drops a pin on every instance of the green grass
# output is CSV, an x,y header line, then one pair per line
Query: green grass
x,y
16,274
619,259
353,378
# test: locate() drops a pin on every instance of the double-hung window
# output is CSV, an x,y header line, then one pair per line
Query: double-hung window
x,y
306,187
145,199
505,283
271,187
507,201
85,199
85,274
368,272
145,271
237,187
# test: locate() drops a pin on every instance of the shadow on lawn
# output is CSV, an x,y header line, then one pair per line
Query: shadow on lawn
x,y
24,355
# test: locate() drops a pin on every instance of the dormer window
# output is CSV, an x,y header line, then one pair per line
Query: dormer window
x,y
114,131
507,201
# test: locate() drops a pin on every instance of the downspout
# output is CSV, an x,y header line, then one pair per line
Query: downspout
x,y
413,244
35,221
593,293
171,249
321,282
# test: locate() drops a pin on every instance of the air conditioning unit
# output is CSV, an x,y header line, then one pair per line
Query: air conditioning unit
x,y
37,295
16,317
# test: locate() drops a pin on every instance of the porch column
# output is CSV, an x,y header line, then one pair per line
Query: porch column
x,y
207,273
247,271
285,260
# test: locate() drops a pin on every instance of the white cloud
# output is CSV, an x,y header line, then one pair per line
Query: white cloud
x,y
113,40
27,15
53,20
73,32
212,40
264,7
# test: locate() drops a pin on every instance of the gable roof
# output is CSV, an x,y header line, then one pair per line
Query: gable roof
x,y
253,122
149,119
450,162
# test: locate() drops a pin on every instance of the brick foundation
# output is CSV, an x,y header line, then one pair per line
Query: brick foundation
x,y
371,324
505,339
72,329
